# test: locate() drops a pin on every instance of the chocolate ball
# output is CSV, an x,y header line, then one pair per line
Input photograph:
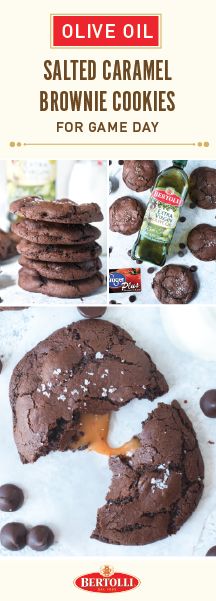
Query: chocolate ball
x,y
11,497
92,312
208,403
40,538
139,175
211,552
13,536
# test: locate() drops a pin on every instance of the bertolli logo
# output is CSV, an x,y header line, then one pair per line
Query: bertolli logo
x,y
107,581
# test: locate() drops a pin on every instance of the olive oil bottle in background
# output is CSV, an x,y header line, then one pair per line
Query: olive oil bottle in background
x,y
162,214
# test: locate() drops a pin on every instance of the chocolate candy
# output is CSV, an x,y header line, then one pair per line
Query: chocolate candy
x,y
0,365
211,552
40,538
92,312
11,497
13,536
208,403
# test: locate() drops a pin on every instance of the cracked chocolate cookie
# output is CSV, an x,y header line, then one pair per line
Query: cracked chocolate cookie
x,y
139,175
156,490
59,253
32,281
8,246
63,271
174,285
91,366
55,233
57,211
126,215
202,242
202,187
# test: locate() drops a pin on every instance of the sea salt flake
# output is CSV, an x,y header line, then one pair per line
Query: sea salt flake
x,y
65,389
75,391
61,397
90,373
86,382
57,371
45,393
112,389
99,355
160,483
83,388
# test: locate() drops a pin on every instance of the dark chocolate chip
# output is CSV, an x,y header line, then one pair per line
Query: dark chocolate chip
x,y
192,205
40,538
151,269
110,249
182,219
13,536
132,298
208,403
1,300
92,312
114,184
211,552
0,365
129,252
121,162
182,245
110,162
193,268
11,497
112,302
138,261
181,253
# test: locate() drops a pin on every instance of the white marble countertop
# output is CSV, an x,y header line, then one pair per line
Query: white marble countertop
x,y
120,244
64,490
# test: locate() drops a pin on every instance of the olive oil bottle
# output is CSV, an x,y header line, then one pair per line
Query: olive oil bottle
x,y
162,214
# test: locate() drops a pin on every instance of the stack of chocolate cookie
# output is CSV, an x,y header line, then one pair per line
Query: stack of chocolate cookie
x,y
59,252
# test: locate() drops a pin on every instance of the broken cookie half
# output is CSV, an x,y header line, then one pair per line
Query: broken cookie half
x,y
89,367
154,491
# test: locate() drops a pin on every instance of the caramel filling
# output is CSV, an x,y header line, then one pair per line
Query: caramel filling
x,y
95,430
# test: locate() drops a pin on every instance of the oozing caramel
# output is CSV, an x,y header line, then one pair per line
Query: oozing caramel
x,y
95,430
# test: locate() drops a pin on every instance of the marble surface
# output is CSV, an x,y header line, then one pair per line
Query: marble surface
x,y
206,273
64,490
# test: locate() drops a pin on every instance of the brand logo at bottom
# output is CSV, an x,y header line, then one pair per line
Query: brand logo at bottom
x,y
107,581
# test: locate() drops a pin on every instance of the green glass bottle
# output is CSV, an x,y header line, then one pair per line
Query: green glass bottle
x,y
162,214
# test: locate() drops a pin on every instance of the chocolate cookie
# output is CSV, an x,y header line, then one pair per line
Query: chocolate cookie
x,y
139,175
63,271
202,242
126,215
32,281
174,285
57,211
156,490
8,246
202,187
55,233
59,253
91,366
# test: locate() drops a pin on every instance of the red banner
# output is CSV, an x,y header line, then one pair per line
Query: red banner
x,y
105,30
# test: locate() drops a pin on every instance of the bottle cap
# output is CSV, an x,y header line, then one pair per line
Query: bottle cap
x,y
180,164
